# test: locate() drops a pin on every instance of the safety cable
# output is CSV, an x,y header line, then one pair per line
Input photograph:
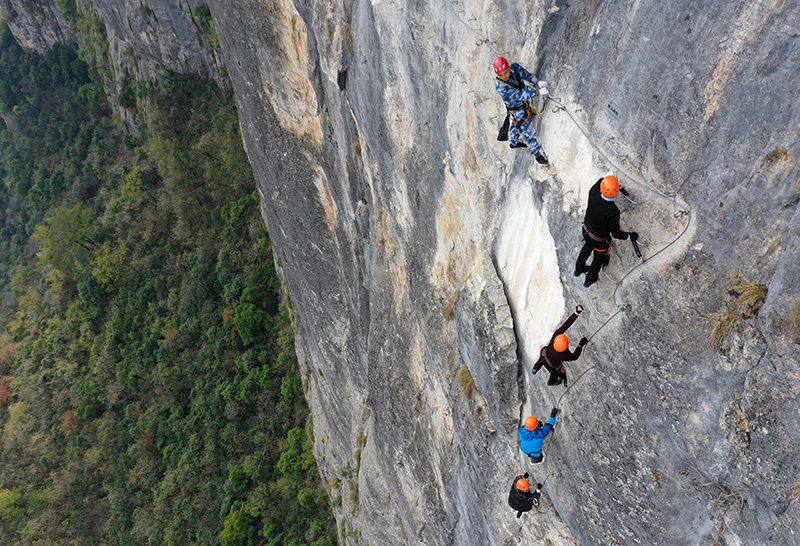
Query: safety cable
x,y
680,214
552,506
579,377
641,263
606,322
600,150
620,308
482,39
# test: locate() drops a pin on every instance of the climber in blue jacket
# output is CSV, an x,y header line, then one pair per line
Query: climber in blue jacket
x,y
532,435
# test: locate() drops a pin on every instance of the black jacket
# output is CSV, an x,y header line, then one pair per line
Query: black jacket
x,y
602,217
521,501
552,358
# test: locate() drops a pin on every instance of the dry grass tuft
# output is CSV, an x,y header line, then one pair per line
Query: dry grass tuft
x,y
793,322
723,324
746,301
795,491
749,297
465,379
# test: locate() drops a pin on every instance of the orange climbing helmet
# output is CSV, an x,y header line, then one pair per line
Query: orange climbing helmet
x,y
523,485
531,423
561,343
609,187
500,65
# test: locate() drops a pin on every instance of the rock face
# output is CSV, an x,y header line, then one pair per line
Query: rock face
x,y
141,39
427,263
37,25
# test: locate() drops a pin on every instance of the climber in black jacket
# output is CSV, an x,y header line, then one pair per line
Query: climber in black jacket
x,y
521,498
557,352
599,225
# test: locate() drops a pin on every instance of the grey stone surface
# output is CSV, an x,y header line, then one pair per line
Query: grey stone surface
x,y
144,38
36,25
427,263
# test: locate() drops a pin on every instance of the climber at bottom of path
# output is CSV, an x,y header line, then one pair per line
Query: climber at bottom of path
x,y
557,352
521,498
532,435
599,225
510,84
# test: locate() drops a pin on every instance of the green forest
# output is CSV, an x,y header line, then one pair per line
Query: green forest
x,y
149,387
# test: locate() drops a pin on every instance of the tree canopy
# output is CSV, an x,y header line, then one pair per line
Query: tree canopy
x,y
149,388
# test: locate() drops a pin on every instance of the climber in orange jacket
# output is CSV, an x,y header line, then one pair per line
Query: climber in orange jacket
x,y
557,352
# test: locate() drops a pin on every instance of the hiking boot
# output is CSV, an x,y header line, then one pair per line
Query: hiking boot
x,y
519,145
541,158
587,283
580,270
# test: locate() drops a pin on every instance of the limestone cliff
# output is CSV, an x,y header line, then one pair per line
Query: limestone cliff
x,y
427,263
136,40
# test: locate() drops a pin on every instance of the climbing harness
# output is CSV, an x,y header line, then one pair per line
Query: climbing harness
x,y
594,237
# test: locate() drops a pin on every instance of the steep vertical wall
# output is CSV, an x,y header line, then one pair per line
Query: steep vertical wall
x,y
140,40
427,263
414,245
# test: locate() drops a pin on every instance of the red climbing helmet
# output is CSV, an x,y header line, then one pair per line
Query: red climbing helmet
x,y
561,343
609,187
523,485
531,423
500,65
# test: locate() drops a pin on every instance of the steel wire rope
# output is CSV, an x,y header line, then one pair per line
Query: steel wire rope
x,y
482,38
641,263
602,153
552,506
620,308
678,214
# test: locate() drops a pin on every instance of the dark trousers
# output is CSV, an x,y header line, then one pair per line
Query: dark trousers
x,y
600,250
556,377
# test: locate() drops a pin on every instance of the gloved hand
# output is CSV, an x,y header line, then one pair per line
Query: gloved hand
x,y
541,84
543,91
579,309
539,487
632,235
554,412
534,371
525,475
624,192
583,342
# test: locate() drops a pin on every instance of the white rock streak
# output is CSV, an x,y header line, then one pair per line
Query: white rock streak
x,y
526,256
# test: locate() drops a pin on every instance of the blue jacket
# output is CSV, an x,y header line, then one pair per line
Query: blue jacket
x,y
513,91
530,441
